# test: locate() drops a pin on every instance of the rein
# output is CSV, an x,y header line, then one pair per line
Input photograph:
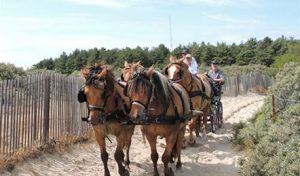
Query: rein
x,y
161,118
117,115
191,93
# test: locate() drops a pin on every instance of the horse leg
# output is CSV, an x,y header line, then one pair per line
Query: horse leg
x,y
128,143
119,155
192,123
154,154
100,138
205,113
166,157
178,144
197,126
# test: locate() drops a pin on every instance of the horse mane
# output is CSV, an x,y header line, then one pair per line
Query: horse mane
x,y
162,91
90,72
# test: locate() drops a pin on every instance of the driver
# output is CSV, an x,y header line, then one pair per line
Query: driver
x,y
217,77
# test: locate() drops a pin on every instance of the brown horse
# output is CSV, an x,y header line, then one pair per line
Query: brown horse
x,y
107,109
162,109
199,90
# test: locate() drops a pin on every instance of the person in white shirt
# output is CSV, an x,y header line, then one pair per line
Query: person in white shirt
x,y
191,62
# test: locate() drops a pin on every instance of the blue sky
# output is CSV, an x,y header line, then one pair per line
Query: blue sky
x,y
31,30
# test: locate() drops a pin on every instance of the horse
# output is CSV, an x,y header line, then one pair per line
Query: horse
x,y
107,110
162,109
199,90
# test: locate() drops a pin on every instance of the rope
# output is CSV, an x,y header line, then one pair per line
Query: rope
x,y
286,100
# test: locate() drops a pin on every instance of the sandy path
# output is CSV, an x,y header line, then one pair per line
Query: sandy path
x,y
214,157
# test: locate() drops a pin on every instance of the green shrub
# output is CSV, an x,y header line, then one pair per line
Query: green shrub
x,y
275,145
237,69
293,55
10,71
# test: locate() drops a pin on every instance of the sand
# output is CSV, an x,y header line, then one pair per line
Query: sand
x,y
214,157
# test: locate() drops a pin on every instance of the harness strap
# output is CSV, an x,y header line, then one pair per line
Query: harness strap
x,y
166,119
200,92
95,108
181,98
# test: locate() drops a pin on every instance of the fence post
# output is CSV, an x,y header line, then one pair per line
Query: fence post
x,y
46,109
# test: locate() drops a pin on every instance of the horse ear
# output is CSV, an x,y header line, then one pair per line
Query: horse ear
x,y
103,73
181,60
85,72
135,65
125,64
172,59
150,71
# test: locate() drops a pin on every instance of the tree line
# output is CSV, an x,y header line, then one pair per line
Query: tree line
x,y
253,51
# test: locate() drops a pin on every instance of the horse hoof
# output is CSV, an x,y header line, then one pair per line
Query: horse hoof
x,y
178,166
192,143
125,173
126,163
169,172
155,174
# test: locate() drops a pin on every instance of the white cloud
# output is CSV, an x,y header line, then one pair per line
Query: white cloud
x,y
27,50
232,23
104,3
219,2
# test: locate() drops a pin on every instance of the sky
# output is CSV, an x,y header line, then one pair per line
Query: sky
x,y
32,30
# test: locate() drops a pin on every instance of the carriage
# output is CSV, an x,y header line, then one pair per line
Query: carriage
x,y
216,113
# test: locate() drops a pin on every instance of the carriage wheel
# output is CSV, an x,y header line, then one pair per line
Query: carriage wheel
x,y
220,115
214,120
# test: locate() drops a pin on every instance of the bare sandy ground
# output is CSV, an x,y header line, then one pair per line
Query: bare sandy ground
x,y
214,157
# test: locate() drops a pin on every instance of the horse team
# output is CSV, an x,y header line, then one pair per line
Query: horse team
x,y
162,102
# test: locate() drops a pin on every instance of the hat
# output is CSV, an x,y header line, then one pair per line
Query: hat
x,y
214,62
188,55
185,51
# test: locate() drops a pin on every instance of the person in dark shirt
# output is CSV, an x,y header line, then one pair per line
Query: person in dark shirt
x,y
217,77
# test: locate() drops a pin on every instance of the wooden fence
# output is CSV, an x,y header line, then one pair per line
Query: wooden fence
x,y
241,84
38,109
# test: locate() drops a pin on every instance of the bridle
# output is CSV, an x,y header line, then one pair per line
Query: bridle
x,y
141,75
181,77
91,80
181,74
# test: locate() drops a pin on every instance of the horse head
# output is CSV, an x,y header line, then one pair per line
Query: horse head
x,y
139,90
129,70
96,90
176,70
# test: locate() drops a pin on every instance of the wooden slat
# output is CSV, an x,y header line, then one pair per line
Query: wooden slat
x,y
15,107
1,112
4,116
46,110
26,120
19,113
23,112
38,108
28,113
42,88
10,128
35,127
